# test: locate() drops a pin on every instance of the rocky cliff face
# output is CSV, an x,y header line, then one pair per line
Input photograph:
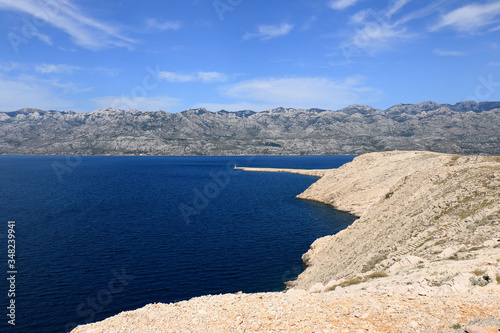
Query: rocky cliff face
x,y
414,207
466,127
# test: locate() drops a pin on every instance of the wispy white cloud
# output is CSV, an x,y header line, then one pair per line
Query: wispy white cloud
x,y
44,68
379,31
10,66
448,53
176,77
44,38
65,15
111,72
341,4
494,64
154,24
432,8
367,16
200,77
28,91
375,38
55,68
396,6
309,23
471,17
232,106
211,77
360,17
265,32
153,103
304,92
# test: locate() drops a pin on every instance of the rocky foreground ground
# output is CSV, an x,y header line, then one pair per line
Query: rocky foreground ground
x,y
424,256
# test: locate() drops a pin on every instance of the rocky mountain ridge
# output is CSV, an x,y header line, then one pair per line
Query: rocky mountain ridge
x,y
466,127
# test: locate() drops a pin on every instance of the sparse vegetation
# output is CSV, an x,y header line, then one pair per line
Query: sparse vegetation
x,y
498,278
440,242
474,248
425,241
370,264
478,272
478,281
356,280
377,274
359,279
456,326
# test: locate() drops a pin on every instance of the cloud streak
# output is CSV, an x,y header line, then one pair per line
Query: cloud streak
x,y
28,91
341,4
153,103
448,53
375,32
66,16
56,68
303,92
197,77
265,32
470,18
154,24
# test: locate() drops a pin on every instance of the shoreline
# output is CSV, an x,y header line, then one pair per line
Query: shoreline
x,y
423,236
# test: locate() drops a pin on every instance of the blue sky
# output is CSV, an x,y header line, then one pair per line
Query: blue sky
x,y
174,55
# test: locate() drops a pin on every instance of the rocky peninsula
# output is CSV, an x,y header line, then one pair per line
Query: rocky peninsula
x,y
424,256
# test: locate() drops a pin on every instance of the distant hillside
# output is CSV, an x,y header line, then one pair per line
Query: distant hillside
x,y
466,127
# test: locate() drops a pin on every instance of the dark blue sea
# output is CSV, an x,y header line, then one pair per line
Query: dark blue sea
x,y
98,235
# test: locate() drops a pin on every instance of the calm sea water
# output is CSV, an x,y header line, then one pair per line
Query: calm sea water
x,y
99,235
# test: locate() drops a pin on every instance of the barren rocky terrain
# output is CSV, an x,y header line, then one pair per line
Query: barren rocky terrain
x,y
466,127
424,256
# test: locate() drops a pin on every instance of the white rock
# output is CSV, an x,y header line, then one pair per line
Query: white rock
x,y
407,261
340,291
317,288
461,283
332,283
448,252
296,292
491,242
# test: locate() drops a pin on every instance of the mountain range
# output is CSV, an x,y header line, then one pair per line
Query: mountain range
x,y
466,128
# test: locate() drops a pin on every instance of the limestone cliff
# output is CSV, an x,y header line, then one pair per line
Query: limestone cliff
x,y
429,205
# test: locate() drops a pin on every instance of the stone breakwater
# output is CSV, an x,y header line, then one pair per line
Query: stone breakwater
x,y
307,172
424,256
